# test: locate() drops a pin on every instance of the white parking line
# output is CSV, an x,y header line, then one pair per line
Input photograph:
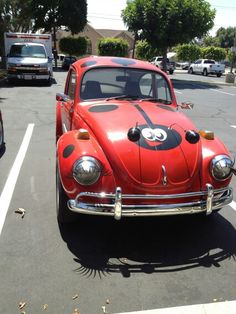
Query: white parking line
x,y
219,91
8,189
226,307
177,92
233,126
233,205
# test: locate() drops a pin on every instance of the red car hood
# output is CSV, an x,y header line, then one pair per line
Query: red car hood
x,y
162,151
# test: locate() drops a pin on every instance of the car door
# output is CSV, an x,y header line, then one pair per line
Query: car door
x,y
194,66
68,102
200,66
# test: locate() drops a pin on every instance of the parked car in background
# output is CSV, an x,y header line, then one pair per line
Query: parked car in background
x,y
124,148
207,66
1,132
67,61
29,57
158,61
183,65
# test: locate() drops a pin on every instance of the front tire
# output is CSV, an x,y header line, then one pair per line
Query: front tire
x,y
190,71
1,136
218,74
64,215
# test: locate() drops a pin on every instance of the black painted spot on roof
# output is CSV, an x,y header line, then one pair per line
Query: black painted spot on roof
x,y
103,108
124,62
88,63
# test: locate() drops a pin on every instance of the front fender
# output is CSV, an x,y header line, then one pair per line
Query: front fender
x,y
69,149
58,120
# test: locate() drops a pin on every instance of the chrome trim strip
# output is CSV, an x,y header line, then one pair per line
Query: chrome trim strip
x,y
164,180
210,195
118,204
215,199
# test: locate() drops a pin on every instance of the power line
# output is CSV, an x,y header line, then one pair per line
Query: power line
x,y
104,17
223,7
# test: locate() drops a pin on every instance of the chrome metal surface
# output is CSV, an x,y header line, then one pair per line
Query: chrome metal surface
x,y
208,201
164,180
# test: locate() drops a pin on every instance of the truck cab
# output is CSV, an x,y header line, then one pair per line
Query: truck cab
x,y
28,59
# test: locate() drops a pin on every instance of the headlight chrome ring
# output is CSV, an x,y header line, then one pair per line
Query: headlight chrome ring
x,y
221,167
87,170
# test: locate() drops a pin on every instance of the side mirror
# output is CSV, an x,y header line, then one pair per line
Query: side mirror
x,y
186,105
62,97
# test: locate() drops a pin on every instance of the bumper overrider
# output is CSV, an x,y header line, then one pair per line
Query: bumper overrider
x,y
208,201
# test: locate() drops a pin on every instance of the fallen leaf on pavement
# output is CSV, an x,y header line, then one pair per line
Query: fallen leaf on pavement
x,y
21,305
45,306
75,296
20,211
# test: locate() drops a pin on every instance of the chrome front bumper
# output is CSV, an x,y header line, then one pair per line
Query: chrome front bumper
x,y
210,200
30,76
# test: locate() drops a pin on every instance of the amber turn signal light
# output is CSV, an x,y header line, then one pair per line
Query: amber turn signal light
x,y
208,135
83,134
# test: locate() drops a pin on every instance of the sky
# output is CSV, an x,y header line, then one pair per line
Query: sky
x,y
106,14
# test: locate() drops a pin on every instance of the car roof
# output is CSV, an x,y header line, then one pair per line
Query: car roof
x,y
28,44
100,61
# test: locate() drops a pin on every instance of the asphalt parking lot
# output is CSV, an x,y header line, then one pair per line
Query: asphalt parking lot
x,y
99,265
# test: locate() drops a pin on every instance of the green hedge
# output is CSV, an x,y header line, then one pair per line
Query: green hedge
x,y
112,47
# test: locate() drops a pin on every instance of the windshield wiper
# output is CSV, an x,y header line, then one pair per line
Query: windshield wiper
x,y
122,97
163,101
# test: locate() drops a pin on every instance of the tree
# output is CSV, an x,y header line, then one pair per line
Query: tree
x,y
232,59
69,13
113,47
144,51
188,52
210,41
50,15
226,36
214,53
15,16
73,46
166,23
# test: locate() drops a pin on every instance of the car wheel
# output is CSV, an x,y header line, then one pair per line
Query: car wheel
x,y
218,74
1,135
11,81
64,215
191,71
49,82
205,73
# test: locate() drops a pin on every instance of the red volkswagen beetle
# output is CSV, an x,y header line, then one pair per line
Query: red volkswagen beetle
x,y
125,149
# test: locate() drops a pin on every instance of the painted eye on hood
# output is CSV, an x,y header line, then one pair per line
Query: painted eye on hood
x,y
154,134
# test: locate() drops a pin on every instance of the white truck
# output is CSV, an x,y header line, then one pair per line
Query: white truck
x,y
206,66
29,56
158,61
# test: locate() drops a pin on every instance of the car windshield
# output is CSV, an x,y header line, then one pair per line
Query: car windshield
x,y
122,83
30,51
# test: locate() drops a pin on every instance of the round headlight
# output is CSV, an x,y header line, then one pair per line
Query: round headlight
x,y
221,167
86,170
